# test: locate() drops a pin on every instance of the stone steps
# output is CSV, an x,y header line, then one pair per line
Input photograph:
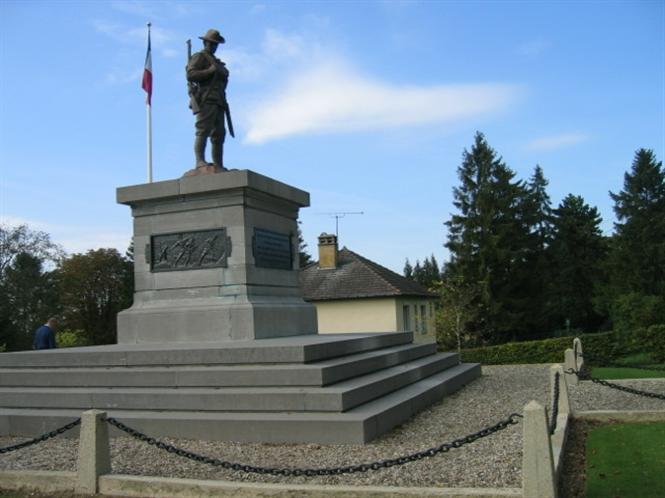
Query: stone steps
x,y
343,388
313,374
337,398
296,349
355,426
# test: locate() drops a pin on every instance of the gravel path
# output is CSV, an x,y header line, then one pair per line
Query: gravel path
x,y
494,461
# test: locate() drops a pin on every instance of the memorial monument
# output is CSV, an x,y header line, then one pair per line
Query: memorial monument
x,y
219,343
207,78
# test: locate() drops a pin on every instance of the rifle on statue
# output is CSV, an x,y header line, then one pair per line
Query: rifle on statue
x,y
192,88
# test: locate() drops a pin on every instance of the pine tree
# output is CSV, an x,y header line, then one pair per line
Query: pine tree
x,y
304,257
418,272
577,252
487,240
540,208
433,272
640,231
636,294
538,217
408,269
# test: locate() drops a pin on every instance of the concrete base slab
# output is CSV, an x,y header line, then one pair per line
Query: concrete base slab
x,y
298,349
157,487
356,426
333,389
320,373
165,487
38,480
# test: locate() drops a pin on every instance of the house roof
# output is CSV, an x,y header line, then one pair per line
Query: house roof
x,y
356,277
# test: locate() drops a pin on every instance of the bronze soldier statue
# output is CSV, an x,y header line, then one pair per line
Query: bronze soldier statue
x,y
207,78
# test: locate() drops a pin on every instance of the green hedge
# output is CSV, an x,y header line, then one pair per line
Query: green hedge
x,y
603,346
652,339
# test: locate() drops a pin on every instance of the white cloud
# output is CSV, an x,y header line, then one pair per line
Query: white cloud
x,y
122,77
533,47
75,238
552,142
124,34
278,52
277,45
151,9
83,240
332,97
138,37
244,65
15,221
170,53
132,7
258,8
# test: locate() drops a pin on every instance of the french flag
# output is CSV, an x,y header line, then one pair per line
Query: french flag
x,y
147,73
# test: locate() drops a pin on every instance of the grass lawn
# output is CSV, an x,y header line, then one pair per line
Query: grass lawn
x,y
626,461
630,373
626,373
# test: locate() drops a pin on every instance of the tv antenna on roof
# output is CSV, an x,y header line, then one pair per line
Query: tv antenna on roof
x,y
338,215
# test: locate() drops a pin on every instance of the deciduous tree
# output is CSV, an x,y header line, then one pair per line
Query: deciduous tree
x,y
27,299
23,239
93,290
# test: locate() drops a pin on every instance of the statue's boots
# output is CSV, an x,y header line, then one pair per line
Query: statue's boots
x,y
218,153
199,151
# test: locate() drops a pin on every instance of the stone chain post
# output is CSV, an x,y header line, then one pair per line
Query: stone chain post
x,y
538,477
573,358
94,458
570,363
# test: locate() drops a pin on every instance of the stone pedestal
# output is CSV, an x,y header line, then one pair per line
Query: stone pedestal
x,y
216,259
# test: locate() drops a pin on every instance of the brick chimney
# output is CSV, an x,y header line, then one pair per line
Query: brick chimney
x,y
327,251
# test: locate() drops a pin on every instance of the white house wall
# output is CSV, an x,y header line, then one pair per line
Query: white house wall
x,y
376,315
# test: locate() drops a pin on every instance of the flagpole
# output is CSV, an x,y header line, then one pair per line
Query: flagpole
x,y
149,121
149,118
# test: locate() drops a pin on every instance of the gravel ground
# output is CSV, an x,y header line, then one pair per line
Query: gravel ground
x,y
494,461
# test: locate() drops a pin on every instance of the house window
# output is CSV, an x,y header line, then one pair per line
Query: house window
x,y
423,317
416,317
406,317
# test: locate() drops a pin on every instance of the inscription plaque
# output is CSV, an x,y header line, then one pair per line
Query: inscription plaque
x,y
189,250
272,249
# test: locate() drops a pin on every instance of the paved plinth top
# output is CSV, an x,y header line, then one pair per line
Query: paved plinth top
x,y
296,349
214,182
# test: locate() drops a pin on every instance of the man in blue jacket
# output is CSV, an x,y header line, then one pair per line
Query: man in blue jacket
x,y
45,335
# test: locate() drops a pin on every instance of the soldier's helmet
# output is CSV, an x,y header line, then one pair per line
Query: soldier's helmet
x,y
212,35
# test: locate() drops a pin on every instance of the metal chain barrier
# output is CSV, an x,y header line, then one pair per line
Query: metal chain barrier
x,y
555,403
326,471
618,387
43,437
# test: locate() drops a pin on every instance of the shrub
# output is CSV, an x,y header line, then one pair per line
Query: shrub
x,y
632,311
652,340
602,346
71,338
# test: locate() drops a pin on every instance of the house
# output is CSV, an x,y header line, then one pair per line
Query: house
x,y
354,294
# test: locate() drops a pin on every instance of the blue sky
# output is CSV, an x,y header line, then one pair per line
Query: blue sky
x,y
366,105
